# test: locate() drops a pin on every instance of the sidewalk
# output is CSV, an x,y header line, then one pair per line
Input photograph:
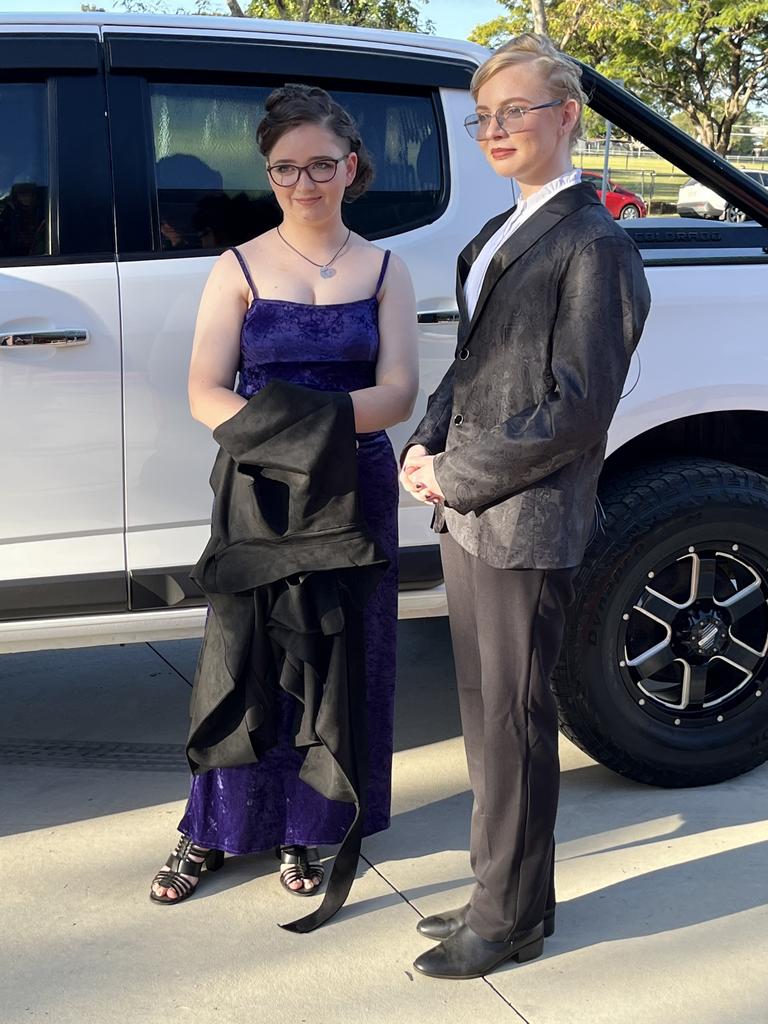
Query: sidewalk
x,y
662,915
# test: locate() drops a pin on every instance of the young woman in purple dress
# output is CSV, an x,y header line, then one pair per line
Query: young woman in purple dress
x,y
315,304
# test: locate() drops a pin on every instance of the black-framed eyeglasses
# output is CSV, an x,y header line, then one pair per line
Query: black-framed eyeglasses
x,y
509,119
319,171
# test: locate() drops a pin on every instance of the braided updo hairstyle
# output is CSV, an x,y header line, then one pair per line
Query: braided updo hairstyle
x,y
293,105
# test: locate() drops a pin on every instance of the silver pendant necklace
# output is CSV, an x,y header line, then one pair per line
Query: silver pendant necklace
x,y
326,270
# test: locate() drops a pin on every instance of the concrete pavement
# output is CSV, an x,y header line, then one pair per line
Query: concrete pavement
x,y
663,893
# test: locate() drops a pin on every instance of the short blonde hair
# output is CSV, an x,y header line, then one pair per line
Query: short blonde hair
x,y
560,74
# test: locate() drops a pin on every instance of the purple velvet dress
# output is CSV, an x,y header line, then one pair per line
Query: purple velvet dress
x,y
254,807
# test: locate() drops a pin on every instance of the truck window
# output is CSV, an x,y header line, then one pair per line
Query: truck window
x,y
210,181
644,184
24,182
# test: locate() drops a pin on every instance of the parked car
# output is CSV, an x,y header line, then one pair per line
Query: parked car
x,y
732,213
696,200
110,228
620,202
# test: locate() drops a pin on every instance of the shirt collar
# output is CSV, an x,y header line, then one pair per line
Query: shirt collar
x,y
572,177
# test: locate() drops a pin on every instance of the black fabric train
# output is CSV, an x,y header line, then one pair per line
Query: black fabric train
x,y
287,572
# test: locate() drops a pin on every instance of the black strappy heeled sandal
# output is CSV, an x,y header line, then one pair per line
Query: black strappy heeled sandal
x,y
304,863
179,864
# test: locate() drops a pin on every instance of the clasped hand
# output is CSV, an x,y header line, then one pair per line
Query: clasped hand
x,y
418,476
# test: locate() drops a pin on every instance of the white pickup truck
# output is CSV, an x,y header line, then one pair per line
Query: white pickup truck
x,y
129,162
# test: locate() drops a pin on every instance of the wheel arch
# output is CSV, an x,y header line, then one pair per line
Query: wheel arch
x,y
736,436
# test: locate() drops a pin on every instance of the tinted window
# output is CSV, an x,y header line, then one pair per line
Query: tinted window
x,y
649,185
24,193
211,183
401,134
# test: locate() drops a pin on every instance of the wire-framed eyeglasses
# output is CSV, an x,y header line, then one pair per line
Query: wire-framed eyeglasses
x,y
319,171
509,119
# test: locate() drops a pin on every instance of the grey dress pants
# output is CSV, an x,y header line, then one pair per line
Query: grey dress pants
x,y
507,629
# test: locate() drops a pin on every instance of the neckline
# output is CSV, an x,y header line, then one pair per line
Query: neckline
x,y
311,305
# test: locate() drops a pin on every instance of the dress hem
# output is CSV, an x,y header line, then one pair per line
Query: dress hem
x,y
292,841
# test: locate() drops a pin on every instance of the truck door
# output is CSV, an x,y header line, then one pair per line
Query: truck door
x,y
190,181
61,510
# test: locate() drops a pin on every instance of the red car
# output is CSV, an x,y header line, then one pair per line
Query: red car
x,y
621,203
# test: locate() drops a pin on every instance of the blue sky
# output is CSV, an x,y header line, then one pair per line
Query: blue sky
x,y
454,18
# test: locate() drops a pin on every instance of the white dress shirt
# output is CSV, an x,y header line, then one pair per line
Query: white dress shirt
x,y
525,208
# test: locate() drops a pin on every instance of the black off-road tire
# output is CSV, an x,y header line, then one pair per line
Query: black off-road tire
x,y
660,519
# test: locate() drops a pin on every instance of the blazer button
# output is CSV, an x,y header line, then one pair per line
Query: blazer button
x,y
464,354
458,420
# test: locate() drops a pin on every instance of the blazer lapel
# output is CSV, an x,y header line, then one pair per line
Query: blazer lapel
x,y
543,220
461,302
471,251
467,257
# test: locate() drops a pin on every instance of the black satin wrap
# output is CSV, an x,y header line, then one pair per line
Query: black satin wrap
x,y
287,572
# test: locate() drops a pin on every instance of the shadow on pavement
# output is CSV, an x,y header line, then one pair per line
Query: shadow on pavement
x,y
99,731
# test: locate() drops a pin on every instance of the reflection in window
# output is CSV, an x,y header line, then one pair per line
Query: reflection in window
x,y
640,182
401,134
642,179
24,189
212,187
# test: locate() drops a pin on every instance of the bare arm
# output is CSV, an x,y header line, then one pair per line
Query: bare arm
x,y
216,348
392,398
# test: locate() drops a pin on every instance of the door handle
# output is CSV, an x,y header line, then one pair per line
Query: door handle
x,y
439,316
57,339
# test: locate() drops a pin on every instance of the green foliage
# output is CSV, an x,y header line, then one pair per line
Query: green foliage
x,y
149,7
705,58
403,15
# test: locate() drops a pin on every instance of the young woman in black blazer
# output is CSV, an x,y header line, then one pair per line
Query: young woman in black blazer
x,y
553,298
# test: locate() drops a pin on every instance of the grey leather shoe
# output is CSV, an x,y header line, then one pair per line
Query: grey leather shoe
x,y
442,926
467,955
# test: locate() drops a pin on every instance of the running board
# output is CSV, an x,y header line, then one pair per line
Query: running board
x,y
168,624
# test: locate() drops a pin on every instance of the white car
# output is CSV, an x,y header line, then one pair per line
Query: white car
x,y
696,200
109,226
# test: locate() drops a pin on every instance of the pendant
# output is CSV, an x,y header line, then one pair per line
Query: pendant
x,y
327,272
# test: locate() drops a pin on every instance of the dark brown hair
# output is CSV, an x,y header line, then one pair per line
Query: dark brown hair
x,y
294,105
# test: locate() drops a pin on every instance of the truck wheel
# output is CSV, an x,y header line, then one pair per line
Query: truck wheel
x,y
664,671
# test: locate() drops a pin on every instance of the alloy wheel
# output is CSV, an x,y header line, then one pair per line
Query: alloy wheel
x,y
694,642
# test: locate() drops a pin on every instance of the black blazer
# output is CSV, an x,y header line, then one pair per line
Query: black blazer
x,y
519,422
287,572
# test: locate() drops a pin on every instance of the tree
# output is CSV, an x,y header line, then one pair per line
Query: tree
x,y
393,14
156,7
706,58
539,12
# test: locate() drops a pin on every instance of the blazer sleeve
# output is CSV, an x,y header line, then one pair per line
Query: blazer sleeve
x,y
604,301
433,429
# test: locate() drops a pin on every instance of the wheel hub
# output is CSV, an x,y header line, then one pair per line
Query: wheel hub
x,y
697,634
705,634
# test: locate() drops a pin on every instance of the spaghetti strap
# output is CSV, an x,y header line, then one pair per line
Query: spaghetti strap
x,y
246,271
379,283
